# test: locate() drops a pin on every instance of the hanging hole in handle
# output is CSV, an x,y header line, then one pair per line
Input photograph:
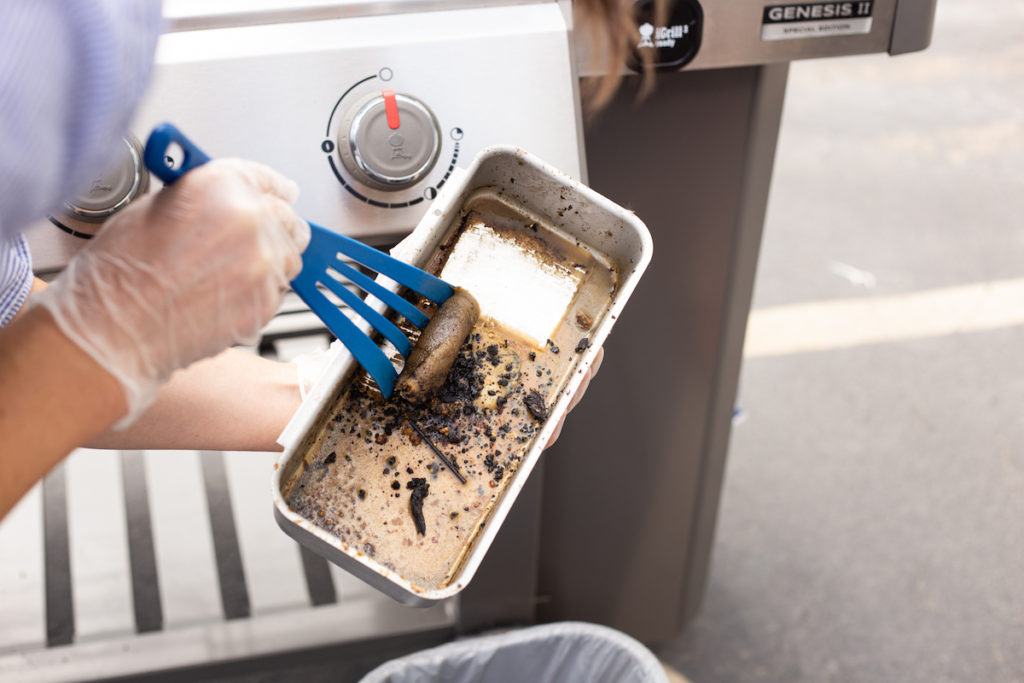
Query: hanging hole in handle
x,y
174,156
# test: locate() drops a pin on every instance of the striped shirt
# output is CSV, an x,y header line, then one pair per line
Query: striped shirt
x,y
15,277
71,73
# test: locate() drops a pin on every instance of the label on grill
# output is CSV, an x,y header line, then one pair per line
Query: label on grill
x,y
816,20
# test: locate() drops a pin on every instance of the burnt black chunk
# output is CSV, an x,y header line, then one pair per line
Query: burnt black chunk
x,y
535,404
583,345
464,382
331,457
420,489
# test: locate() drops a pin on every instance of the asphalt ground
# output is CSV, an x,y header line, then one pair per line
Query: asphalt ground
x,y
872,520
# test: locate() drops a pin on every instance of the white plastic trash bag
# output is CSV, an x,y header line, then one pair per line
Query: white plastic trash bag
x,y
553,653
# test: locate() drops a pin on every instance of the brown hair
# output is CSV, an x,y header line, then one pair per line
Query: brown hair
x,y
611,25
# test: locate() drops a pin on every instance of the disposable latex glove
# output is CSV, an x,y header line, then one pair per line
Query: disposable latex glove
x,y
578,396
310,366
181,274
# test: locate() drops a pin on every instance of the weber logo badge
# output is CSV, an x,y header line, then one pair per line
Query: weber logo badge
x,y
816,20
664,36
667,42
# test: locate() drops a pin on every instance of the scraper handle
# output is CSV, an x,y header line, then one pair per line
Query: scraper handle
x,y
162,164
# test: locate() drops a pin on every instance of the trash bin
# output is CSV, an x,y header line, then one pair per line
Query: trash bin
x,y
553,653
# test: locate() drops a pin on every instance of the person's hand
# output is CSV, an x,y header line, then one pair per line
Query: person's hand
x,y
181,274
578,396
310,366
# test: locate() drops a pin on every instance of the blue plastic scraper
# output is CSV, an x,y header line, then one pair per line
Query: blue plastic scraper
x,y
323,254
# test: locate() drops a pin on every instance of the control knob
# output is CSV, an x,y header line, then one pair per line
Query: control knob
x,y
389,141
110,191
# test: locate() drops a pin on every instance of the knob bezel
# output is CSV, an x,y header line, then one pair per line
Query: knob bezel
x,y
375,178
139,184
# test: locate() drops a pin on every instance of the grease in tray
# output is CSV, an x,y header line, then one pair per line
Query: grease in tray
x,y
371,480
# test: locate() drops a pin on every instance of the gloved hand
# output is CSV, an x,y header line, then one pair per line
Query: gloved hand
x,y
181,274
310,366
578,396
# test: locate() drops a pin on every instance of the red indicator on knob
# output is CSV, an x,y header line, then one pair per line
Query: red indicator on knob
x,y
391,108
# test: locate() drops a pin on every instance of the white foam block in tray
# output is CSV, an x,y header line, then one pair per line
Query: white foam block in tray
x,y
510,282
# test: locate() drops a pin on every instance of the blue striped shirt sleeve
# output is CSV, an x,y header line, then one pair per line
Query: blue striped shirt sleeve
x,y
15,277
71,74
